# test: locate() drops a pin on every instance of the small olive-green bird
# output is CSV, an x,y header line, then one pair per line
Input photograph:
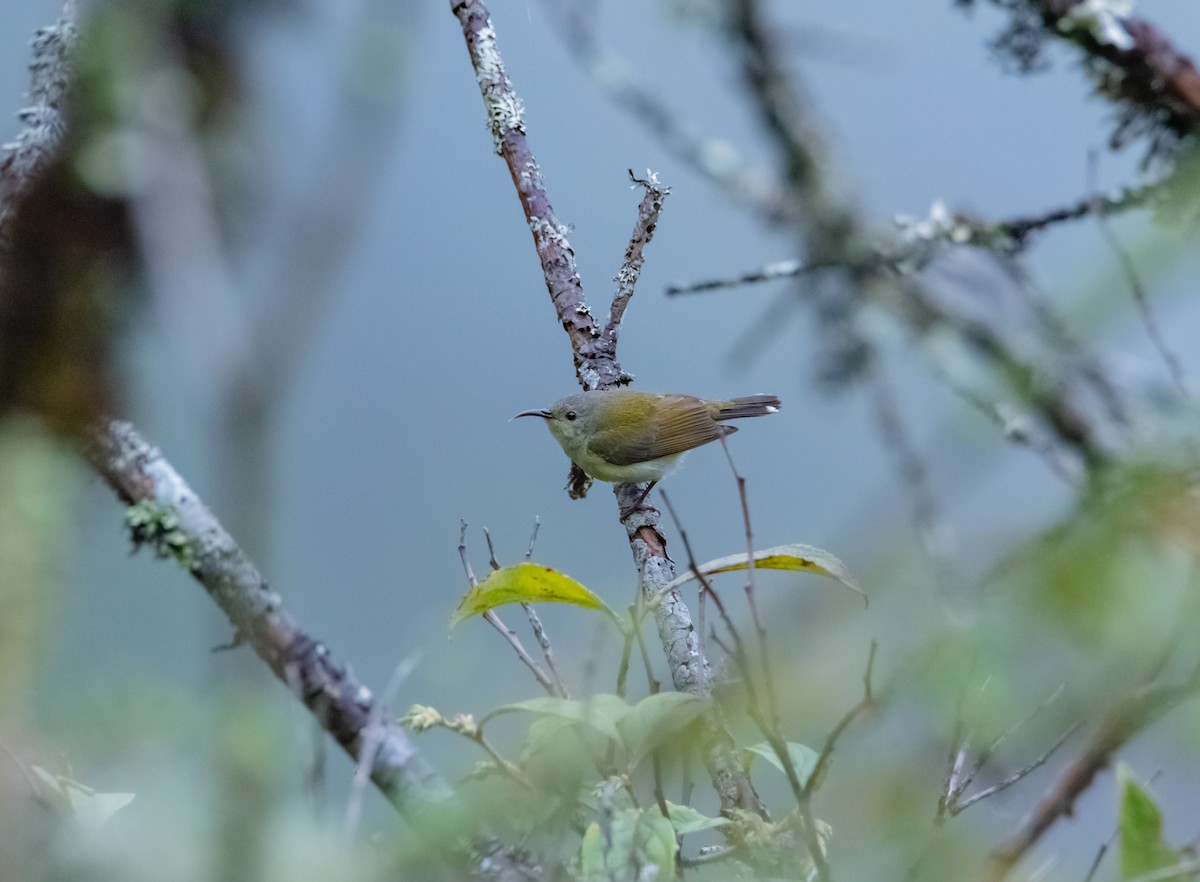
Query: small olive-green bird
x,y
627,437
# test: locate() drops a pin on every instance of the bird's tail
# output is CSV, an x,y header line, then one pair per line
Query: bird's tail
x,y
750,406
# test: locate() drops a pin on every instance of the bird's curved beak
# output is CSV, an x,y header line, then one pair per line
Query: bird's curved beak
x,y
544,414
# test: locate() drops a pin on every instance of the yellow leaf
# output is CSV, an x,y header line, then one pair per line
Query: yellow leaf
x,y
798,558
524,583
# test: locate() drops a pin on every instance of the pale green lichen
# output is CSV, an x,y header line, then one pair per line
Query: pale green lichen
x,y
159,527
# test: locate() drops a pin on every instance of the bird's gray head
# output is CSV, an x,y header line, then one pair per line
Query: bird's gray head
x,y
570,419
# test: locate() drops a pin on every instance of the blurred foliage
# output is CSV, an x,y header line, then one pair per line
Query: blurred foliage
x,y
1070,620
36,494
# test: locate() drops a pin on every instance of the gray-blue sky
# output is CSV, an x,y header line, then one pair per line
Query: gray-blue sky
x,y
440,328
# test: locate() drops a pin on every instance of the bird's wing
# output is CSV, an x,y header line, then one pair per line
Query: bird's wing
x,y
683,422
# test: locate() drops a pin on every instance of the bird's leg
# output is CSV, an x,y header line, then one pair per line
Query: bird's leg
x,y
638,503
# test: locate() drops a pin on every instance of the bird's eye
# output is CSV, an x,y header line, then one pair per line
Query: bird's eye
x,y
570,416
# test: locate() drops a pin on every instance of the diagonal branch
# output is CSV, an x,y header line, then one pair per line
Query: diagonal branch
x,y
1132,61
1125,720
43,120
181,525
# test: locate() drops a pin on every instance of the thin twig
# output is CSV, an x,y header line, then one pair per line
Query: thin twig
x,y
987,753
817,777
492,562
759,628
631,268
462,553
947,230
1142,301
515,642
770,725
626,651
1126,719
535,621
493,619
537,524
138,472
770,732
960,806
506,768
372,739
543,639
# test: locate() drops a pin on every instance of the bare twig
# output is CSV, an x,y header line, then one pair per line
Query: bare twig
x,y
515,642
543,639
631,268
494,620
374,735
739,649
1142,301
958,806
462,553
1126,719
808,828
537,524
487,538
535,621
868,701
760,630
780,269
987,753
921,241
627,650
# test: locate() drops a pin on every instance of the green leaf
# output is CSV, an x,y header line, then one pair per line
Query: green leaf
x,y
686,819
82,804
656,718
1143,848
602,711
795,558
524,583
639,845
804,759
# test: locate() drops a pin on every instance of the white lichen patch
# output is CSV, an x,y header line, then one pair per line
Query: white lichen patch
x,y
548,232
530,176
505,110
1102,19
590,377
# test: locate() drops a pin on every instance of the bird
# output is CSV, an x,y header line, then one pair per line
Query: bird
x,y
624,436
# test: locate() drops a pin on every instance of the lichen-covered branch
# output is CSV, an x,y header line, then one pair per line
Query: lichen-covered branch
x,y
43,121
141,476
506,119
631,268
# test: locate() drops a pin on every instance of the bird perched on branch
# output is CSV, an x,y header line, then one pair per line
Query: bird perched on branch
x,y
628,437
